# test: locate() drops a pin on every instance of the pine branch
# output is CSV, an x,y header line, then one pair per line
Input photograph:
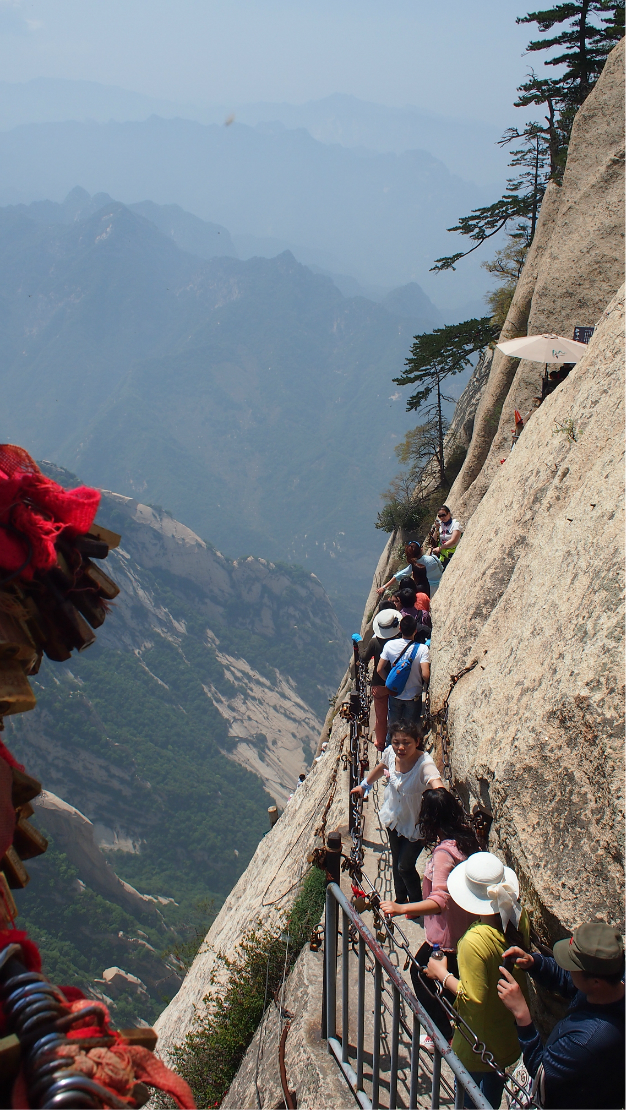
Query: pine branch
x,y
443,353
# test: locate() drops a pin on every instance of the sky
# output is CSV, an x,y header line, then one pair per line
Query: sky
x,y
460,58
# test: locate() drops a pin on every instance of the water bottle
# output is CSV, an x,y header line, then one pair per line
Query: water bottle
x,y
436,953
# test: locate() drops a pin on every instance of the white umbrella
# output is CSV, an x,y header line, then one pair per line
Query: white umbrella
x,y
544,348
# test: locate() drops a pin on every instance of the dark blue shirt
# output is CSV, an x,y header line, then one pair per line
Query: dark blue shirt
x,y
583,1058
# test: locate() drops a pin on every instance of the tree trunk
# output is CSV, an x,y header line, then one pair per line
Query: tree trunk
x,y
533,221
440,458
582,46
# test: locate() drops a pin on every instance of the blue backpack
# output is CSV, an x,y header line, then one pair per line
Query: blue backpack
x,y
399,674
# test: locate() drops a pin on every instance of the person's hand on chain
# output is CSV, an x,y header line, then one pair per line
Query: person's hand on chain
x,y
522,959
391,909
510,993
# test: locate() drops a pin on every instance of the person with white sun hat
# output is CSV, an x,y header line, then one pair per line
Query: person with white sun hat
x,y
386,627
484,886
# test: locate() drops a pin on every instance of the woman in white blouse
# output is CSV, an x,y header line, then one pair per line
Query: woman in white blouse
x,y
411,772
450,533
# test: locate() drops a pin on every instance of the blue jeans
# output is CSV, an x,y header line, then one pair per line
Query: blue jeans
x,y
491,1086
409,712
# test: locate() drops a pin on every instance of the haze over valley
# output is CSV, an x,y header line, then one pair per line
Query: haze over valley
x,y
251,398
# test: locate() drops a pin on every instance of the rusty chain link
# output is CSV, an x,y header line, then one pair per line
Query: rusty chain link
x,y
388,931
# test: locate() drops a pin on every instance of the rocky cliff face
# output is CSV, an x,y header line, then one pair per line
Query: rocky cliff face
x,y
574,267
534,595
268,886
162,746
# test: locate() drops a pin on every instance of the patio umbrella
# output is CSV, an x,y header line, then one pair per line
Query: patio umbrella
x,y
544,348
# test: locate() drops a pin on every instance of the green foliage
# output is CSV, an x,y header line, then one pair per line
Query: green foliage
x,y
413,511
435,356
191,936
79,933
586,43
587,37
444,352
227,1020
507,265
567,428
483,223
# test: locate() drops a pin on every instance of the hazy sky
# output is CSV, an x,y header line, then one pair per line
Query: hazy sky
x,y
455,57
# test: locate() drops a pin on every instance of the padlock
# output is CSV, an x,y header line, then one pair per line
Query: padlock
x,y
16,695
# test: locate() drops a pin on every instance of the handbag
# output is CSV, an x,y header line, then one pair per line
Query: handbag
x,y
399,674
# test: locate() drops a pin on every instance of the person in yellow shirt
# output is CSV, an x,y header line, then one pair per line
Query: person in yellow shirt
x,y
482,885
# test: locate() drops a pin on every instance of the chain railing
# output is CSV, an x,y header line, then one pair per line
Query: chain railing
x,y
398,940
357,712
387,979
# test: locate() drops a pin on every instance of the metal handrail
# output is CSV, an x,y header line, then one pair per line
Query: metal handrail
x,y
400,990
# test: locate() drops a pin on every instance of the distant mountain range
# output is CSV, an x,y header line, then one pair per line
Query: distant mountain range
x,y
250,398
379,217
467,146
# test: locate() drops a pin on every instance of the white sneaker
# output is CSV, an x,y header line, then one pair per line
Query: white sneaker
x,y
426,1042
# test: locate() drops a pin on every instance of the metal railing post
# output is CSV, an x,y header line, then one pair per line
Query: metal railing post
x,y
360,1015
387,981
434,1101
378,983
415,1062
345,1006
330,963
395,1037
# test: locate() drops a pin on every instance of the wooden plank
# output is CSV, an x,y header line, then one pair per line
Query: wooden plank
x,y
10,1055
24,788
8,908
145,1038
16,641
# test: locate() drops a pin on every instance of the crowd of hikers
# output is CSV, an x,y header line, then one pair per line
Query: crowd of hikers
x,y
477,931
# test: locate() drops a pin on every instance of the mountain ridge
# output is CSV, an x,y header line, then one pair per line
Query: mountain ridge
x,y
382,216
158,374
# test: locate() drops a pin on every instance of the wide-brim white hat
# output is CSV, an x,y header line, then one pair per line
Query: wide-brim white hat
x,y
387,624
470,880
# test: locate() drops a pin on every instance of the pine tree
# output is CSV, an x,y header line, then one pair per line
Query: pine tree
x,y
523,196
436,356
592,27
587,43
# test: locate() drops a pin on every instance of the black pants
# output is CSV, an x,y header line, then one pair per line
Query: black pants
x,y
425,990
404,854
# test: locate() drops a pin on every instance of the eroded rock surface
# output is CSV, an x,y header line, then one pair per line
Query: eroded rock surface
x,y
535,593
574,267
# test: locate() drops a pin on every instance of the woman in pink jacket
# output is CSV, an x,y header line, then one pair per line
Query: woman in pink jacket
x,y
444,828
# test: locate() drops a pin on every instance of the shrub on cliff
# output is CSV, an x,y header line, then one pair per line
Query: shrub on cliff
x,y
406,507
226,1022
